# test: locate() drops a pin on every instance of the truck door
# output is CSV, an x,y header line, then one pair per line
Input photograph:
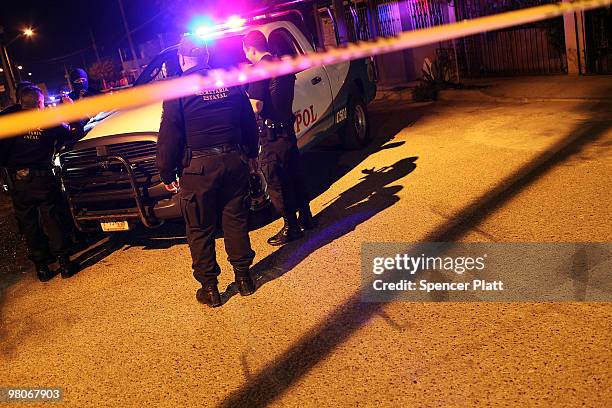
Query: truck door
x,y
312,104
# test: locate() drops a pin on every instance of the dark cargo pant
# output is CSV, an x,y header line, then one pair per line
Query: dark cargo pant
x,y
37,201
216,186
279,161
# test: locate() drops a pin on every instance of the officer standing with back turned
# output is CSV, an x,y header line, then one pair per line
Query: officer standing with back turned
x,y
203,139
279,158
36,192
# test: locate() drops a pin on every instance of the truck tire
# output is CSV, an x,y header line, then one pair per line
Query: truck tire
x,y
356,131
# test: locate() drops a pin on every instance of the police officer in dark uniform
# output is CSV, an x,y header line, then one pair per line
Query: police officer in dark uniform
x,y
279,158
203,139
80,85
35,191
16,107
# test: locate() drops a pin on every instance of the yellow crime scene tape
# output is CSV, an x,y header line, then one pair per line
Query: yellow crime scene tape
x,y
18,123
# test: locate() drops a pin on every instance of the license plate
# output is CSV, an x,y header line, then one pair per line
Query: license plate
x,y
112,226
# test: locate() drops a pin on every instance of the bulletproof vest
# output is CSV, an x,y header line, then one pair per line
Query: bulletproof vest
x,y
212,117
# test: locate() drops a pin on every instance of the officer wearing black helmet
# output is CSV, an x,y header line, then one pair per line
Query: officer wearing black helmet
x,y
34,189
202,142
80,85
279,158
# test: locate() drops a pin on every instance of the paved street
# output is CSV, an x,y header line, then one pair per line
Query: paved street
x,y
127,330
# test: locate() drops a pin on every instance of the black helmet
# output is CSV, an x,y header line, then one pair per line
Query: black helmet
x,y
258,192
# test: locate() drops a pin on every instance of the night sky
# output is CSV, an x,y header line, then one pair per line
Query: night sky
x,y
63,29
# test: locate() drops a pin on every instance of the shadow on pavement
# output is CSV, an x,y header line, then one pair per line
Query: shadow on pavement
x,y
351,208
270,383
324,166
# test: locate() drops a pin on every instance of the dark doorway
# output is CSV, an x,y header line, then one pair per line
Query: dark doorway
x,y
598,33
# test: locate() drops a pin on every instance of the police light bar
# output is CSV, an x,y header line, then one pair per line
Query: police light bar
x,y
233,24
207,29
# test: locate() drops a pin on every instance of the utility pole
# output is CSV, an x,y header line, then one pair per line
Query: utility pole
x,y
127,30
9,76
93,43
67,76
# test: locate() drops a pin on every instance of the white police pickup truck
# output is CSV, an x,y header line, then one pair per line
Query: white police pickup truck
x,y
109,177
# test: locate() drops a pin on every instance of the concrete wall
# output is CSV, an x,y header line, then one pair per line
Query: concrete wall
x,y
574,42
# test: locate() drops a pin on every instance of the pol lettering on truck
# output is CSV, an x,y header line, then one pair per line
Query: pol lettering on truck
x,y
305,118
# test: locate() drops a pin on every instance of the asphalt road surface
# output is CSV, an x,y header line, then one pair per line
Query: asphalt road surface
x,y
127,330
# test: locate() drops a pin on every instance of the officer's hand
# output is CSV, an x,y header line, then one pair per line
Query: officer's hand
x,y
66,99
253,165
173,187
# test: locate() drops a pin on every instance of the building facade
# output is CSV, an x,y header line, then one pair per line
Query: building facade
x,y
575,44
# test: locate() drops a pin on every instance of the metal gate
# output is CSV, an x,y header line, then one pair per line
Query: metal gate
x,y
425,13
530,49
359,19
388,17
598,30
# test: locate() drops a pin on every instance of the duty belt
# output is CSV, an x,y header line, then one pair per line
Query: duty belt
x,y
270,132
212,151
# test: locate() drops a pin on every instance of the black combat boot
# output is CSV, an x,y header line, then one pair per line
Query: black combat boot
x,y
290,232
67,267
245,283
209,295
305,219
43,272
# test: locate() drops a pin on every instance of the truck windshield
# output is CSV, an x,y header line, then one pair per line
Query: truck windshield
x,y
224,53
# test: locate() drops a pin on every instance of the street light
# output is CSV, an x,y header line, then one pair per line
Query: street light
x,y
26,32
29,74
6,61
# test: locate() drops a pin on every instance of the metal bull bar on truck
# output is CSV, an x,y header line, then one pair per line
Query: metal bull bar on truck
x,y
141,213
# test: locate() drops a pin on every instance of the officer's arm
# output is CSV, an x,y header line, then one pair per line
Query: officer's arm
x,y
170,142
257,93
72,133
67,135
248,125
256,105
